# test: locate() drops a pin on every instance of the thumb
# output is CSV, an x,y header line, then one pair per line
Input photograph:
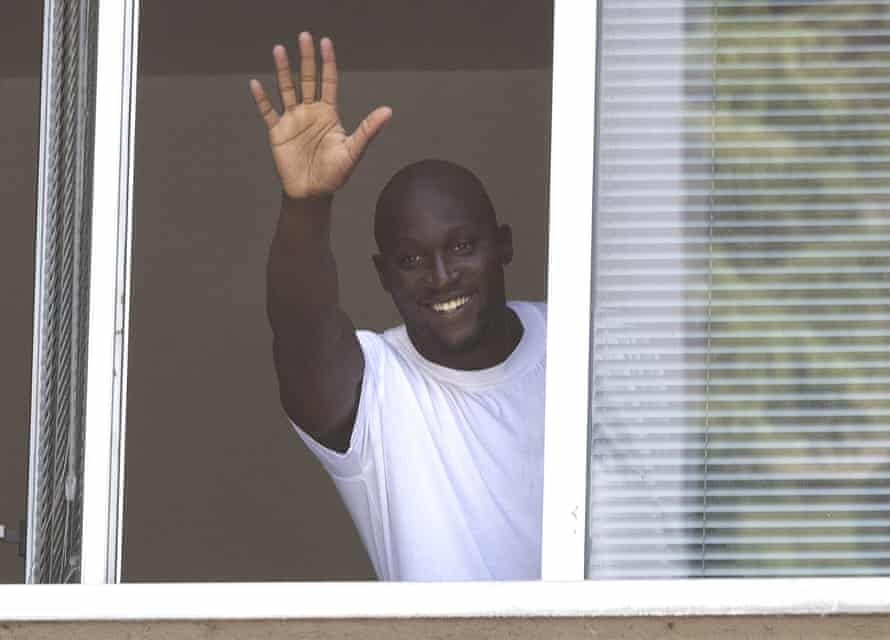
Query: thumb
x,y
366,130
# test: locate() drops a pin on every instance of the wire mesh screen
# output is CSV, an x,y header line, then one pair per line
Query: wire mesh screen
x,y
63,271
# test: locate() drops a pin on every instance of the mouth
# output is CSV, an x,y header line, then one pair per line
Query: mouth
x,y
451,305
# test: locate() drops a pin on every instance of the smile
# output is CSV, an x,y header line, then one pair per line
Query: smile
x,y
450,305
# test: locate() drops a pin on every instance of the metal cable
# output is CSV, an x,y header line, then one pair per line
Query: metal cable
x,y
44,499
59,498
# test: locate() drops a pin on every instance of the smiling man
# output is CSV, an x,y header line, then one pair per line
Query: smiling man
x,y
432,431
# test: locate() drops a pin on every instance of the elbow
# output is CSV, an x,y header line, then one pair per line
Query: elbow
x,y
333,435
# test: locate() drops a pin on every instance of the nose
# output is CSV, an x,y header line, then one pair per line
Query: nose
x,y
441,272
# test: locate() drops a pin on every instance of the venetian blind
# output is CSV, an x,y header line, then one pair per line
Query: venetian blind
x,y
741,363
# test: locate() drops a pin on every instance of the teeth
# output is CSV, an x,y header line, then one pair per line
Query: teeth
x,y
451,305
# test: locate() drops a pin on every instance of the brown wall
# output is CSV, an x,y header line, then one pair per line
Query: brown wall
x,y
20,47
19,134
218,487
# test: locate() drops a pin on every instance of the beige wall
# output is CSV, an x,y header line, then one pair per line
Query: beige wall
x,y
218,487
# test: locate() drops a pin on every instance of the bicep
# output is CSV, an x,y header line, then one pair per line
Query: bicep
x,y
319,378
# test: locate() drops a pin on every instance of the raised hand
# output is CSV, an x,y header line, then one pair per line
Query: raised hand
x,y
313,155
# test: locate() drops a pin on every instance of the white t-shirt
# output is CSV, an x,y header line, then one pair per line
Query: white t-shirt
x,y
444,472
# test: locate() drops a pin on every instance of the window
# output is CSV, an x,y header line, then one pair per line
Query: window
x,y
739,348
239,496
570,349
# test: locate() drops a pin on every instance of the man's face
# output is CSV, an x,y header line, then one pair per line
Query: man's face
x,y
442,259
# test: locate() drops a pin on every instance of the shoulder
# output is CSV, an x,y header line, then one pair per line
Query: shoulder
x,y
372,344
536,307
533,316
385,353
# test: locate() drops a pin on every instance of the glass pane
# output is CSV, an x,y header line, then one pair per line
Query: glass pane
x,y
218,485
740,368
20,51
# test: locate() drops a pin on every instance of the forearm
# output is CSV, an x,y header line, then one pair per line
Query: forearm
x,y
302,290
317,357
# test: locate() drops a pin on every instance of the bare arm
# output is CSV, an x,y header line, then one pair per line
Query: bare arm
x,y
317,357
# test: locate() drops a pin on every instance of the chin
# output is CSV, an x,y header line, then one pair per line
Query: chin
x,y
458,339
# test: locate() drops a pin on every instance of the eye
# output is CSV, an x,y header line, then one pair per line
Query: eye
x,y
410,261
463,247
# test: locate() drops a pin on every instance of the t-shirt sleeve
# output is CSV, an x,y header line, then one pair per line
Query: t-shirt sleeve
x,y
357,457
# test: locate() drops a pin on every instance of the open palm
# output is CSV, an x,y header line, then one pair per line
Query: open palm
x,y
312,153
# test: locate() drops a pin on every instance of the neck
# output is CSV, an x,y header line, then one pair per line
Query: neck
x,y
499,339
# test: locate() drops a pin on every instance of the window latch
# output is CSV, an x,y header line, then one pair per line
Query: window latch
x,y
12,536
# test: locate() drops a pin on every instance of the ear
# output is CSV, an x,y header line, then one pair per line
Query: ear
x,y
505,243
380,265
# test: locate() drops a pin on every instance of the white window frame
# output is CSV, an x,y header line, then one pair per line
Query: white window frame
x,y
563,592
105,415
109,285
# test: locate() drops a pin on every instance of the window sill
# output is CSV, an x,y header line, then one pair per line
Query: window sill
x,y
295,601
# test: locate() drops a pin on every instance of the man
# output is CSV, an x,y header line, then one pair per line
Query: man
x,y
432,431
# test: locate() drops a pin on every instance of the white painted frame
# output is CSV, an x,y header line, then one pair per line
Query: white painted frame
x,y
407,600
109,286
118,24
563,592
569,290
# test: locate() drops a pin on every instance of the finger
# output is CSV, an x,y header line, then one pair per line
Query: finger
x,y
328,72
365,132
285,79
307,68
267,112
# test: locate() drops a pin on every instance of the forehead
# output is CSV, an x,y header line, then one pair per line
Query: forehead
x,y
428,215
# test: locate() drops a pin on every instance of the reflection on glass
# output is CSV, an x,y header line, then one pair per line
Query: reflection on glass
x,y
741,416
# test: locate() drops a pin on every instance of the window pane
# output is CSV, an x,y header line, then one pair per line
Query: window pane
x,y
20,46
741,416
218,486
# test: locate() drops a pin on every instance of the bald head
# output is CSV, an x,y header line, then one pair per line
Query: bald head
x,y
411,184
440,244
